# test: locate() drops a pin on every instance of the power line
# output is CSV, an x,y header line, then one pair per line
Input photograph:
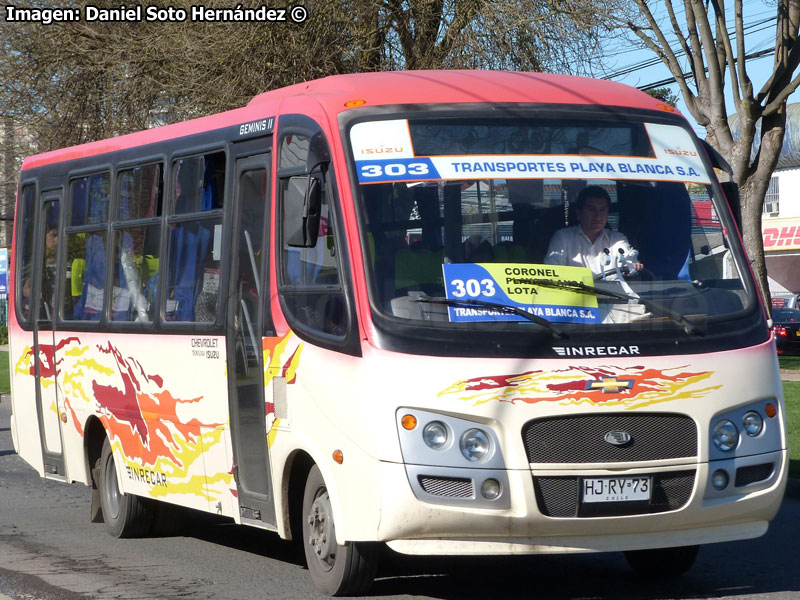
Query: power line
x,y
689,75
650,62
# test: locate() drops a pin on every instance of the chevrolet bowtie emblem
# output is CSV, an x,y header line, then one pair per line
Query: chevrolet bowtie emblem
x,y
610,385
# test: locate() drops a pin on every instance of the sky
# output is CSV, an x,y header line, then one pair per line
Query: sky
x,y
759,20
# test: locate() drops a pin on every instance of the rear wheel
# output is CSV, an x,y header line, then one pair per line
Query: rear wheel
x,y
125,515
662,562
335,570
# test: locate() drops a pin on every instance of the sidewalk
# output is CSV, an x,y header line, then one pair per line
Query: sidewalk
x,y
787,375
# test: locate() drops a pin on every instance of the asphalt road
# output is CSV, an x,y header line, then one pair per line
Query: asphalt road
x,y
50,551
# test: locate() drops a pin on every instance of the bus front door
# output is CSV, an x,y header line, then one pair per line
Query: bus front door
x,y
43,290
247,300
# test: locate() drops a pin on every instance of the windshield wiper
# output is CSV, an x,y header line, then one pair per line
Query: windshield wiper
x,y
656,307
502,308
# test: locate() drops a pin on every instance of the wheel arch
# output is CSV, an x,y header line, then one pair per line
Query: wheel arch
x,y
295,473
94,435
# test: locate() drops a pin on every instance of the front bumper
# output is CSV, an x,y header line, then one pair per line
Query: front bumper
x,y
411,525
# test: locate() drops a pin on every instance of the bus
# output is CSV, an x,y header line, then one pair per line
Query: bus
x,y
335,314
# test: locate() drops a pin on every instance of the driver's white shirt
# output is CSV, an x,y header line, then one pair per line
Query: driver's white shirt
x,y
571,247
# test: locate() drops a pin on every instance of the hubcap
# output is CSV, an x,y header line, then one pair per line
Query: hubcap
x,y
321,536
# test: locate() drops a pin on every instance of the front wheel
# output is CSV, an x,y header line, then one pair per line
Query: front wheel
x,y
662,562
125,515
335,570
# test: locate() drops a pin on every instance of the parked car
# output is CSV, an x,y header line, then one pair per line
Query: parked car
x,y
786,325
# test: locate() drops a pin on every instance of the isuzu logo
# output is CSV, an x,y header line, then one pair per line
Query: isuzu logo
x,y
618,438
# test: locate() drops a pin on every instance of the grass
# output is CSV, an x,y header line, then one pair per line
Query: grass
x,y
789,362
791,393
5,383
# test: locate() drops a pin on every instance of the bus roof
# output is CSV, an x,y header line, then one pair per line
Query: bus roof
x,y
417,87
389,88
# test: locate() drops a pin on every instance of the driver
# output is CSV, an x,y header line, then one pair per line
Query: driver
x,y
589,243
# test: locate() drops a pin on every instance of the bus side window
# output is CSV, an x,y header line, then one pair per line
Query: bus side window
x,y
136,246
24,270
310,279
83,288
195,246
136,264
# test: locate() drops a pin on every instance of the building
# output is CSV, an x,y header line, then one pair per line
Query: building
x,y
780,224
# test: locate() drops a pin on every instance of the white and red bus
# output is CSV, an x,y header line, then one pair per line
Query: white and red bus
x,y
331,314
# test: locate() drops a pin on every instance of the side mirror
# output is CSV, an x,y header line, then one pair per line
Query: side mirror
x,y
731,191
302,211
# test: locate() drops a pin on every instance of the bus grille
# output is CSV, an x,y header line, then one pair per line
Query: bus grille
x,y
559,497
747,475
450,487
580,438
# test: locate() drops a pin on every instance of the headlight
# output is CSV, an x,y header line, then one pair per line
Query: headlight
x,y
435,435
725,435
475,445
752,423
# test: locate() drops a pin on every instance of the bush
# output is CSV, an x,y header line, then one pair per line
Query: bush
x,y
3,335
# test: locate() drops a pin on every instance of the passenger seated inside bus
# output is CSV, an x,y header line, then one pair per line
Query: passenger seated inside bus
x,y
48,275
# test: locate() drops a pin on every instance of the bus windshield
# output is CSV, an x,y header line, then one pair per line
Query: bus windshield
x,y
570,222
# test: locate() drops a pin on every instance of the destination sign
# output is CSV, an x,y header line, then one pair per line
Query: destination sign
x,y
510,285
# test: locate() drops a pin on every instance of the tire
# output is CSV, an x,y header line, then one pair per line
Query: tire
x,y
662,562
125,515
335,570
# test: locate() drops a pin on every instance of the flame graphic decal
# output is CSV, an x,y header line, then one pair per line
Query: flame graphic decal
x,y
140,414
281,357
568,386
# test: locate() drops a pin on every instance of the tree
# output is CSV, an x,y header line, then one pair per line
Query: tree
x,y
706,57
665,95
525,35
72,82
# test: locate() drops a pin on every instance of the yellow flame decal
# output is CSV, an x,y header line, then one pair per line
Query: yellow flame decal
x,y
25,362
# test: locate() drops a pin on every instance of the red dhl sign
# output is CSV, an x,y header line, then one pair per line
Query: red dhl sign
x,y
781,236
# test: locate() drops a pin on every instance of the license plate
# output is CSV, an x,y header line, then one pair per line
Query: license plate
x,y
615,489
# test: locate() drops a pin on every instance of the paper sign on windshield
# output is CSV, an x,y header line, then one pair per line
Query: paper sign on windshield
x,y
511,285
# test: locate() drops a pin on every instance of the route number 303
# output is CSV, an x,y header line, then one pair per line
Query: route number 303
x,y
395,170
472,288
